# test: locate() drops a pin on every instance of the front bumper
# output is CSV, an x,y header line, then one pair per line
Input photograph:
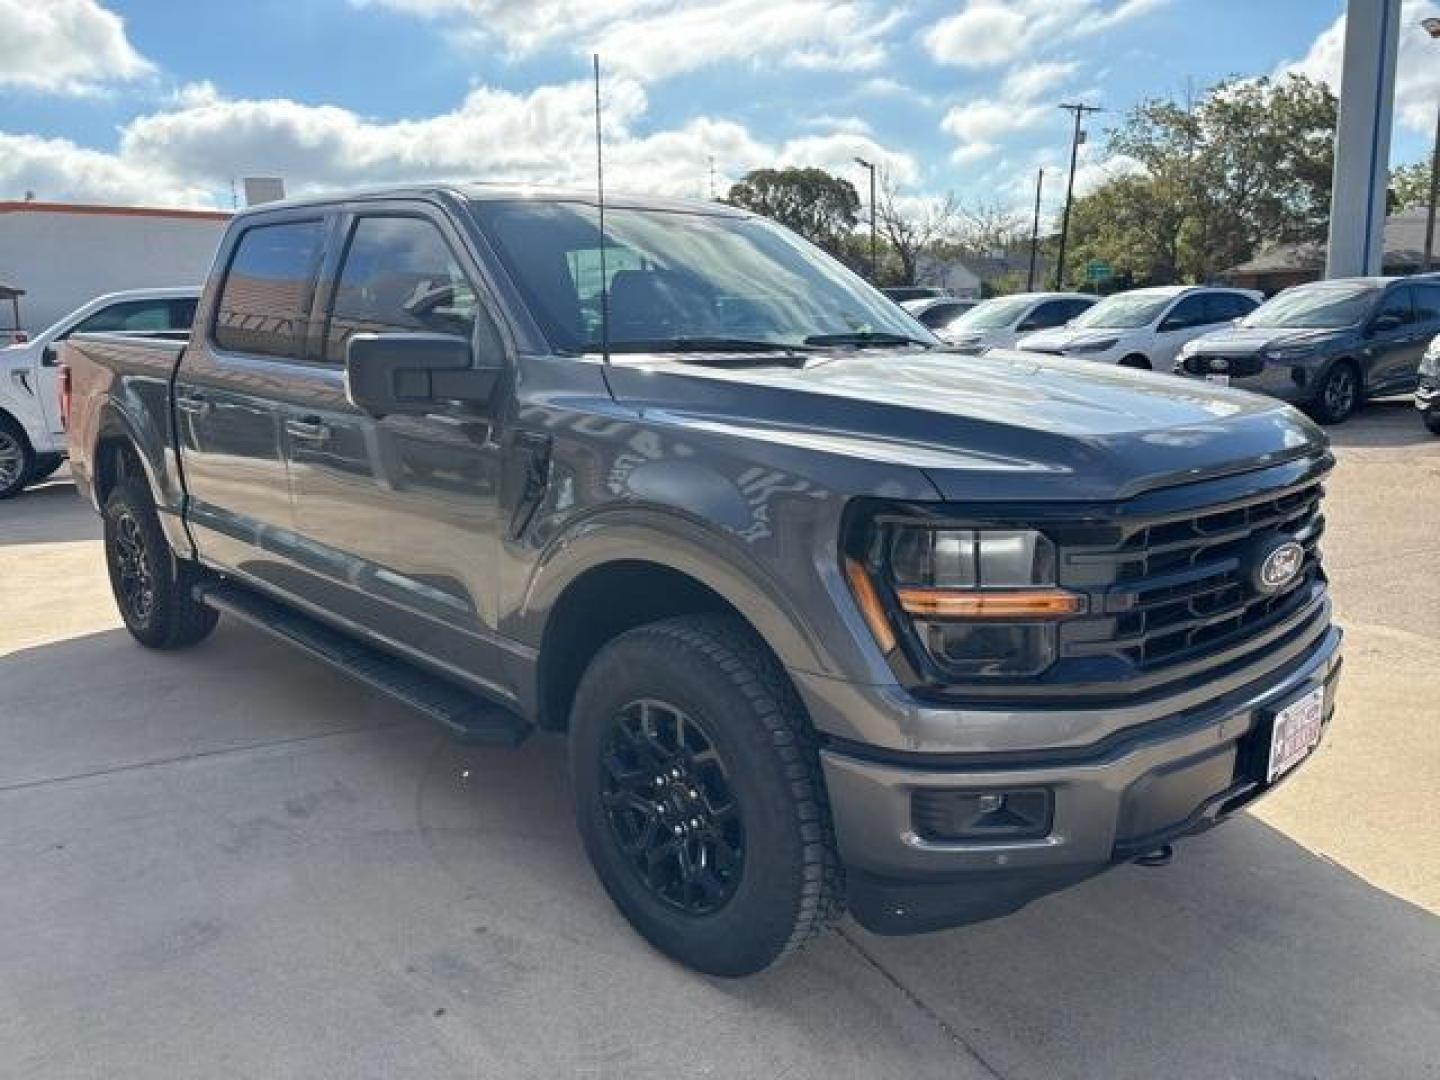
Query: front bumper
x,y
1180,772
1289,381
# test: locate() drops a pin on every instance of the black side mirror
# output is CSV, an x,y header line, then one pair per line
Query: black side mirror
x,y
1383,324
49,358
1028,323
413,373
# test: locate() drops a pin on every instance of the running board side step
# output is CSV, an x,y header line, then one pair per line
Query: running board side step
x,y
466,715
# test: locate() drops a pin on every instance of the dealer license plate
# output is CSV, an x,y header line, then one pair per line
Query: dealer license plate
x,y
1296,732
1223,380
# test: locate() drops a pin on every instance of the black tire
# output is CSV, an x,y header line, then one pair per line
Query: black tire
x,y
152,587
1135,360
17,458
46,466
1432,420
788,884
1337,395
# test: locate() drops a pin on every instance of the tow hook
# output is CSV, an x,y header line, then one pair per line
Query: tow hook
x,y
1161,856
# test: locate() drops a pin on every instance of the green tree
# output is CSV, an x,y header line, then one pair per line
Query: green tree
x,y
819,206
1247,165
1410,185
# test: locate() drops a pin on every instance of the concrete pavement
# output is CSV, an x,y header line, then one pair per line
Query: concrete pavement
x,y
234,862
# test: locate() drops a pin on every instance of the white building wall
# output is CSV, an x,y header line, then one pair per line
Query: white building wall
x,y
62,258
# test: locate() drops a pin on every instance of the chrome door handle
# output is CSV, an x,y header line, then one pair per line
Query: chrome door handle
x,y
311,430
194,404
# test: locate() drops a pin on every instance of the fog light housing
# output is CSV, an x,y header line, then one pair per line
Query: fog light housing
x,y
1010,814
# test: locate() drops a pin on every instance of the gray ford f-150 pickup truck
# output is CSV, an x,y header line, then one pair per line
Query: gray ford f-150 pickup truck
x,y
830,617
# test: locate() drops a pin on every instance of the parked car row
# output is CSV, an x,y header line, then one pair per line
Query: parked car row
x,y
1326,346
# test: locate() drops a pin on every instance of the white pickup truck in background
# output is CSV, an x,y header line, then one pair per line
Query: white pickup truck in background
x,y
32,438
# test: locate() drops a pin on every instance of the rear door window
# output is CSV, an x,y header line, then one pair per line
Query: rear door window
x,y
265,299
1427,303
1187,313
1053,313
1397,304
399,274
1225,306
131,316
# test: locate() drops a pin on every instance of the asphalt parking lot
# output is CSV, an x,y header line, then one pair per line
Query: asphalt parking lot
x,y
232,862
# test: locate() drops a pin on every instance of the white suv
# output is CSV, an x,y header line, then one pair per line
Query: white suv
x,y
1144,328
998,323
32,440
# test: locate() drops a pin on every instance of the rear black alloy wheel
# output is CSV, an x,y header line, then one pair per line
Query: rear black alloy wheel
x,y
153,588
671,808
16,460
136,588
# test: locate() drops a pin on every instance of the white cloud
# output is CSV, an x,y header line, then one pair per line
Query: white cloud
x,y
1417,71
653,39
189,151
1036,80
968,153
989,33
979,126
71,47
57,169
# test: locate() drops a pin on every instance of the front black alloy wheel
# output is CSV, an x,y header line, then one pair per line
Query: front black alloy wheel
x,y
699,795
670,807
1338,395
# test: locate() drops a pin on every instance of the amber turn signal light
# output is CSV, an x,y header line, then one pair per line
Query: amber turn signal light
x,y
870,605
1009,604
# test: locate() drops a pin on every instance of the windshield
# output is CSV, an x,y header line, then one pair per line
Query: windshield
x,y
1313,307
683,278
992,314
1124,311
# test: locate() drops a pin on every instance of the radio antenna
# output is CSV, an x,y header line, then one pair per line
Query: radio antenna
x,y
600,204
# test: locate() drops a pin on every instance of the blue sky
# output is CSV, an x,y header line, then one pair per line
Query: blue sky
x,y
151,101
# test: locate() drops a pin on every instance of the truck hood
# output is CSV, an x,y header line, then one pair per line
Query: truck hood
x,y
1003,426
1243,340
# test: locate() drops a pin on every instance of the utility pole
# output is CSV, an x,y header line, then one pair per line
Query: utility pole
x,y
1079,111
1035,231
712,177
1432,27
874,259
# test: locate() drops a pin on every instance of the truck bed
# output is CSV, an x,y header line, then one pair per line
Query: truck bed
x,y
121,386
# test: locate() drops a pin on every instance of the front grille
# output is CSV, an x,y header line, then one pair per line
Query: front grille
x,y
1237,366
1177,589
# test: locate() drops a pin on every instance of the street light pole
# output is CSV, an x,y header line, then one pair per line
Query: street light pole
x,y
1432,27
873,258
1079,111
1035,231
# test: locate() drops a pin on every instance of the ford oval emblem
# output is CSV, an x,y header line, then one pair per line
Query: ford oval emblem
x,y
1277,566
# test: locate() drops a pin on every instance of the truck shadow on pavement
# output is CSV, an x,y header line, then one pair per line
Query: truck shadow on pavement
x,y
260,861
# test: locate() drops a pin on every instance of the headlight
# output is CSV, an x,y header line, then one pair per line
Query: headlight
x,y
1092,346
978,602
1289,352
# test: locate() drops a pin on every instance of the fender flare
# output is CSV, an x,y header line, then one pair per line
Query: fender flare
x,y
675,541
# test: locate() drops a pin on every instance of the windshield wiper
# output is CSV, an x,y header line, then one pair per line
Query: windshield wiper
x,y
866,337
707,344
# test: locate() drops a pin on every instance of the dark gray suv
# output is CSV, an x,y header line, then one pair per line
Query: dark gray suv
x,y
1325,346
